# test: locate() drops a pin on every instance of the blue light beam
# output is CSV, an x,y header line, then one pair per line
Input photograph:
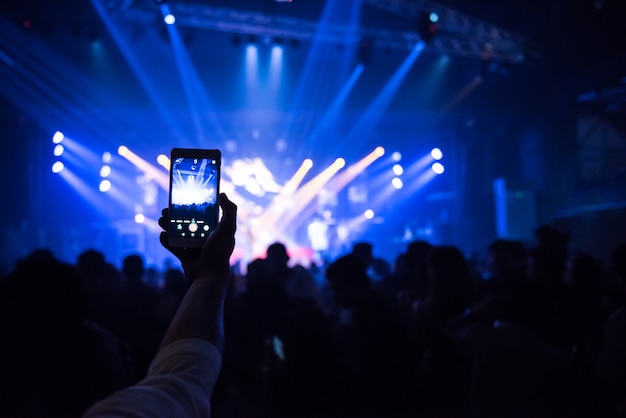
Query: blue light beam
x,y
199,102
375,110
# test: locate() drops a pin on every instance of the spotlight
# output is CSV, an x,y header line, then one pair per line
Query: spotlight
x,y
380,151
105,186
397,169
57,167
169,19
438,168
122,150
106,157
396,156
105,171
364,52
307,163
58,137
140,218
436,154
58,150
369,214
340,162
427,26
397,183
163,161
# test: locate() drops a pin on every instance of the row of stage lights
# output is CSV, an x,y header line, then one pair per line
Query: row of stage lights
x,y
59,165
398,170
105,169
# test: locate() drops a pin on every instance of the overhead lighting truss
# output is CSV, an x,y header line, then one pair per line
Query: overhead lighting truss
x,y
457,34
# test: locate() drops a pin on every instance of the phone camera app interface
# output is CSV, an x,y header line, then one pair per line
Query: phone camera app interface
x,y
194,197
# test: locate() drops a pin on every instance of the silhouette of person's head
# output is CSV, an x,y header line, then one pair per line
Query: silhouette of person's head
x,y
277,259
95,270
618,258
508,260
364,251
277,253
259,276
133,268
451,284
415,263
36,256
348,280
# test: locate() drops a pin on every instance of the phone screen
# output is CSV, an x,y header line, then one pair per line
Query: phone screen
x,y
193,199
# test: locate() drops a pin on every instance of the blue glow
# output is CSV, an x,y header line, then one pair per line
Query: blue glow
x,y
195,92
325,70
436,153
140,218
57,167
58,150
365,125
438,168
397,169
369,214
252,65
276,66
169,19
396,156
106,157
397,183
434,17
136,66
57,137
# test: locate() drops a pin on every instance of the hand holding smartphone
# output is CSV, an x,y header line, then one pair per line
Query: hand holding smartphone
x,y
194,188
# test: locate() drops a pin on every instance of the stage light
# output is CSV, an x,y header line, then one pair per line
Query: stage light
x,y
122,150
307,163
396,157
379,151
397,183
339,163
58,137
57,167
369,214
397,169
438,168
169,19
106,157
58,150
164,161
140,218
105,171
436,154
105,186
364,51
427,26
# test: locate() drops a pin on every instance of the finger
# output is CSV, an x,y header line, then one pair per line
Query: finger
x,y
229,214
164,220
178,252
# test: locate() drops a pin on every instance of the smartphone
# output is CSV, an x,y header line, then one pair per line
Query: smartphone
x,y
194,187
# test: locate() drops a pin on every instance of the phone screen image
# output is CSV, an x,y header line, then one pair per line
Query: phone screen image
x,y
193,198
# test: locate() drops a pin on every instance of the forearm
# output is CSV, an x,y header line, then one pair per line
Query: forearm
x,y
200,314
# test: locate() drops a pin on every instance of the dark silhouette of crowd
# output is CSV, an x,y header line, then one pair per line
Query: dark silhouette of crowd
x,y
532,330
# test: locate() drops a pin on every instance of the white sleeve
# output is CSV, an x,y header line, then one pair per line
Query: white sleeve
x,y
179,383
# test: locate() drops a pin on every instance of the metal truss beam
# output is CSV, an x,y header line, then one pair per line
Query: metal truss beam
x,y
457,35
